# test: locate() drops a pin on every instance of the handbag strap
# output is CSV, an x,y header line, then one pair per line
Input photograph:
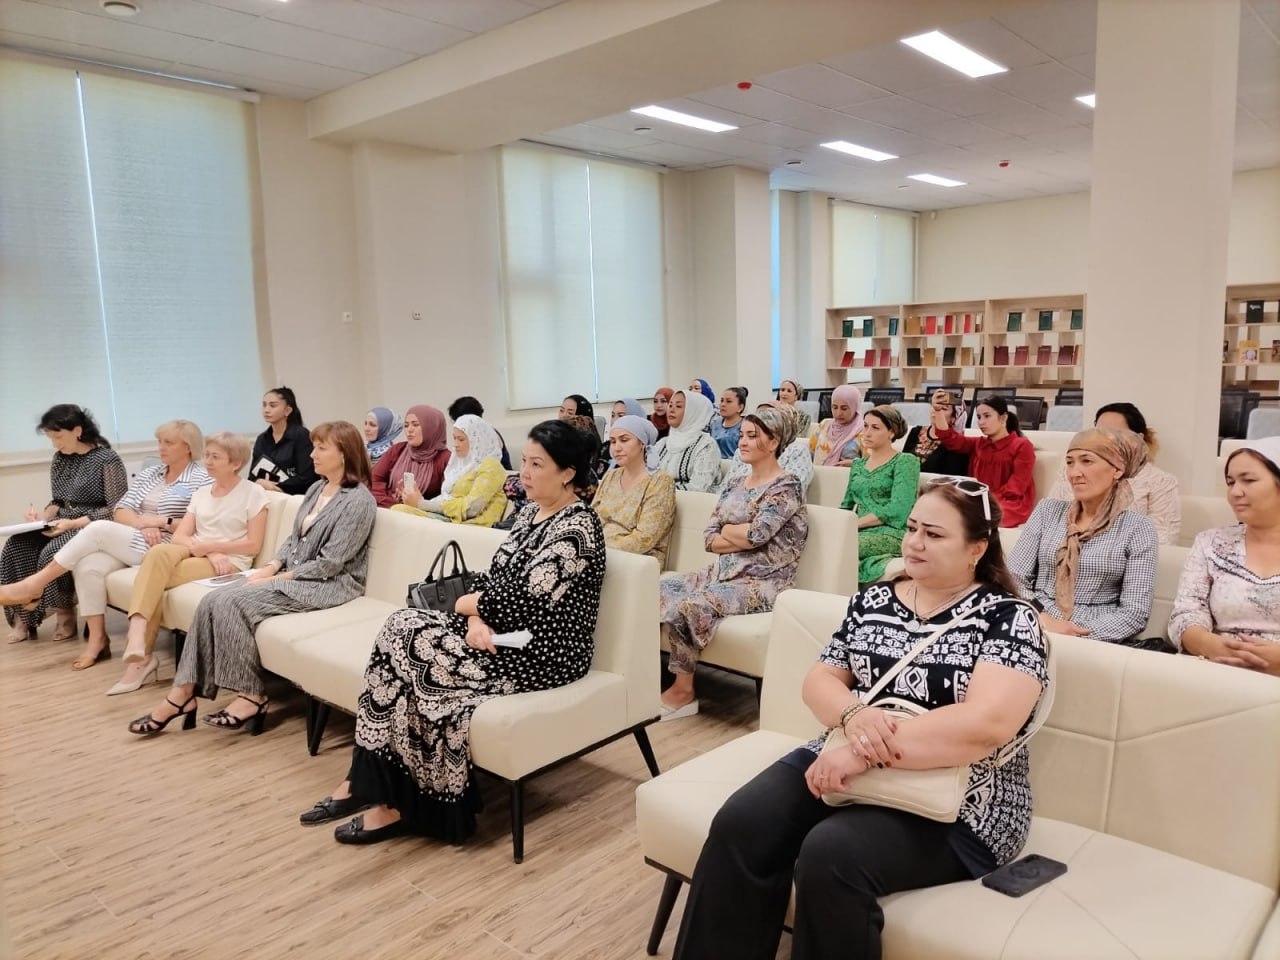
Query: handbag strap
x,y
442,559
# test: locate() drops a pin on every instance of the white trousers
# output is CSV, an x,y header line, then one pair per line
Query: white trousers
x,y
102,547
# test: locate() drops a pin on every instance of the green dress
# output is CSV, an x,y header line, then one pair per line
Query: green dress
x,y
889,492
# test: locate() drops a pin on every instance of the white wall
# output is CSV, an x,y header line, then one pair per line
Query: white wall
x,y
1040,246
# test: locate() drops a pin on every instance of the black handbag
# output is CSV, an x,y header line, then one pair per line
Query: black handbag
x,y
440,590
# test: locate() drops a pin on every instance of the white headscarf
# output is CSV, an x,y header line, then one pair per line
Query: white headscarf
x,y
482,444
698,412
645,432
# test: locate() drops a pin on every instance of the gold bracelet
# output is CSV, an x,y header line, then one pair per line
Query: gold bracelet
x,y
851,711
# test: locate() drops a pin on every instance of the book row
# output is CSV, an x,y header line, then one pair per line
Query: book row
x,y
1045,320
1068,356
947,323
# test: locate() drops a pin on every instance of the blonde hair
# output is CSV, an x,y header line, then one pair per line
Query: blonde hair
x,y
233,445
187,432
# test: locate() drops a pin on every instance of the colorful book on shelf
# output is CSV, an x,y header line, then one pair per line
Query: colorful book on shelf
x,y
1066,355
1273,355
1014,323
847,359
930,357
948,356
968,323
885,360
1044,356
930,324
911,327
869,358
949,324
1247,351
1045,320
913,356
846,327
1002,357
1253,311
1077,319
966,356
893,326
868,326
1020,356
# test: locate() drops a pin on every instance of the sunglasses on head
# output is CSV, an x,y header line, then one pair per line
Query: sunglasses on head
x,y
970,487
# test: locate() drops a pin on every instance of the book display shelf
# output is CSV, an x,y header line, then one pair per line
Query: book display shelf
x,y
1251,337
1035,343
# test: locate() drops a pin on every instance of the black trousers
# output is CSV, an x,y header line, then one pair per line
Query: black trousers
x,y
841,858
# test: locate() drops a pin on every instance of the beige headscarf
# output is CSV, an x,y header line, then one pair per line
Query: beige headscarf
x,y
779,420
1125,451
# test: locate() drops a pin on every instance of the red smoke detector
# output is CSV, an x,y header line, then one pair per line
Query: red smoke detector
x,y
1004,163
744,84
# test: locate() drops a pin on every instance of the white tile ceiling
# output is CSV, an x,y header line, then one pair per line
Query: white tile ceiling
x,y
298,49
937,121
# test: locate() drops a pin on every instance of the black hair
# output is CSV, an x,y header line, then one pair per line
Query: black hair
x,y
463,406
1134,420
295,415
740,393
1272,468
68,416
1003,407
584,408
570,448
991,568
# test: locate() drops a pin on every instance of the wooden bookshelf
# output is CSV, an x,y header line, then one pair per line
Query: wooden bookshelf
x,y
1244,326
1046,326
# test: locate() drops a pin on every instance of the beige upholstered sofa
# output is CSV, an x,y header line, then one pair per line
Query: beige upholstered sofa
x,y
829,564
1156,780
514,738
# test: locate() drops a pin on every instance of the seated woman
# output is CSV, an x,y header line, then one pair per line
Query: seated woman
x,y
281,458
923,442
980,682
726,426
1002,458
430,670
381,427
144,517
464,405
758,528
221,533
796,459
688,453
1155,492
1229,594
661,402
836,442
1089,565
789,391
413,469
576,405
626,407
701,386
636,502
86,478
472,487
882,490
321,564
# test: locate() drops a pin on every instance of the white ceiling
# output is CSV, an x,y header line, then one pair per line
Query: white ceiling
x,y
892,98
298,49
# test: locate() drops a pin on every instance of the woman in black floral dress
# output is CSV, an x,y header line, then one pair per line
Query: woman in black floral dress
x,y
429,671
86,479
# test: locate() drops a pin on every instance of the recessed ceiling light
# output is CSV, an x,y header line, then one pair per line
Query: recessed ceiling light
x,y
936,180
955,55
1090,100
854,150
684,119
119,8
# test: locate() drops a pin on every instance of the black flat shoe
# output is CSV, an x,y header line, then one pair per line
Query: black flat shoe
x,y
330,809
353,831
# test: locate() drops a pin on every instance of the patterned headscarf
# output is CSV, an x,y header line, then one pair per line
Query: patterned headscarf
x,y
389,427
839,434
892,418
1125,451
645,432
796,385
778,420
482,444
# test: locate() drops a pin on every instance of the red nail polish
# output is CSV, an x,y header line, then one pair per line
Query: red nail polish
x,y
898,755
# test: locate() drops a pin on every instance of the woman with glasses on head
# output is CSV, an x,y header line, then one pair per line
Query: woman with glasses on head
x,y
836,442
1002,457
1089,565
923,442
726,426
978,684
882,490
688,453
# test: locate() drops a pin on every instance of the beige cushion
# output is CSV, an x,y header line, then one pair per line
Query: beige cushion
x,y
1050,441
828,486
1203,513
1169,563
1268,947
1047,470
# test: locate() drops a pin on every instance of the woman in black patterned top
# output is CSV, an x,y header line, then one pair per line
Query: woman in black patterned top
x,y
86,478
980,682
430,670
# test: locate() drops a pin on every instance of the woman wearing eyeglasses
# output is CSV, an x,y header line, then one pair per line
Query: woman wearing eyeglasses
x,y
978,683
1002,457
1089,564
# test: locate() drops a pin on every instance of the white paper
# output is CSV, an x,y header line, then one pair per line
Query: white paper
x,y
518,639
26,527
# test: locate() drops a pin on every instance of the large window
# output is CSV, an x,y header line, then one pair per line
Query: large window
x,y
872,255
582,244
126,254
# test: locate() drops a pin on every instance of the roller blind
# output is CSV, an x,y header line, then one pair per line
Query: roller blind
x,y
872,256
583,277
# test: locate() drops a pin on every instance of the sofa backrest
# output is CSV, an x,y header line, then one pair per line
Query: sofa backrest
x,y
803,622
828,485
1169,563
1203,513
404,546
282,509
627,630
1047,470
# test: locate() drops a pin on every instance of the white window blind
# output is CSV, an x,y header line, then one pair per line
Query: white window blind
x,y
583,271
872,256
127,207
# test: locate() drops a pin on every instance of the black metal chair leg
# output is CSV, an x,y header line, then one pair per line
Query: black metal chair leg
x,y
646,750
666,903
759,688
517,820
317,719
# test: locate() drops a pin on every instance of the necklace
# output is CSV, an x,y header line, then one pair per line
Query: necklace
x,y
919,618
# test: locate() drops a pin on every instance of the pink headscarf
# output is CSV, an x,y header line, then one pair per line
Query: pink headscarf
x,y
839,434
425,461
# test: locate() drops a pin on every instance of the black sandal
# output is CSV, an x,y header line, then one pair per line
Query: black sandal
x,y
329,809
256,722
147,725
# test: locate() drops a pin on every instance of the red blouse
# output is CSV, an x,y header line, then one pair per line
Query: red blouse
x,y
1005,465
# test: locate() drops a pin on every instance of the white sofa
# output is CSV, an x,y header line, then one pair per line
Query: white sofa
x,y
513,738
829,563
1203,513
1156,780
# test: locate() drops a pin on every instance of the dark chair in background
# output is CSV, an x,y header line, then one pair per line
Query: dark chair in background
x,y
1030,412
1069,397
880,395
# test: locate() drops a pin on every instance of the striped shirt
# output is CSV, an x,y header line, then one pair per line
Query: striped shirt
x,y
171,501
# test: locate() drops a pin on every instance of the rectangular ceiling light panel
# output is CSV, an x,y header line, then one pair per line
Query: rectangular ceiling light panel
x,y
684,119
954,55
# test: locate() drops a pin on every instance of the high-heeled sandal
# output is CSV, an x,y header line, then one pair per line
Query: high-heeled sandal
x,y
20,632
84,661
255,722
65,627
147,725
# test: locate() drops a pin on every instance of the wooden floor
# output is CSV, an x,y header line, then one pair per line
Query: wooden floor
x,y
188,845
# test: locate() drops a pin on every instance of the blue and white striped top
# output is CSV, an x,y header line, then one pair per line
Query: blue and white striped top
x,y
173,499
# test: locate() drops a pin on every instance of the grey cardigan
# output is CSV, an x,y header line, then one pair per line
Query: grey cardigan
x,y
330,561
